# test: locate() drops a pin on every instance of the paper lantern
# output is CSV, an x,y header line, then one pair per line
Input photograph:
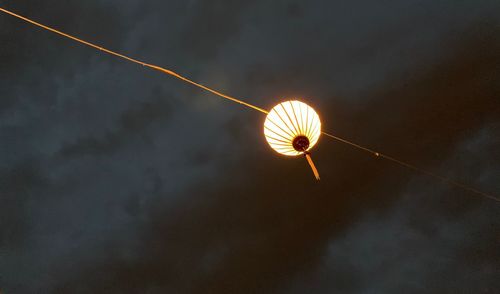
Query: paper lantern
x,y
292,128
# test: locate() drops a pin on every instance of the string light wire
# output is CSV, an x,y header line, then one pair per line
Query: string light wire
x,y
236,100
413,167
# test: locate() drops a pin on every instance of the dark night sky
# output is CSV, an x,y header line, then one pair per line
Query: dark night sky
x,y
118,179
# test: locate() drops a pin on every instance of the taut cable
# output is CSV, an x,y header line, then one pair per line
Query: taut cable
x,y
233,99
152,66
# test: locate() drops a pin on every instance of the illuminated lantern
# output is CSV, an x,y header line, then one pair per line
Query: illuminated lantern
x,y
292,128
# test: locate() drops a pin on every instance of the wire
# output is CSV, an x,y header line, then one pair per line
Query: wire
x,y
152,66
233,99
413,167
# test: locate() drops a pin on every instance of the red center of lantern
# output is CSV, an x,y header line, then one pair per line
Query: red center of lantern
x,y
300,143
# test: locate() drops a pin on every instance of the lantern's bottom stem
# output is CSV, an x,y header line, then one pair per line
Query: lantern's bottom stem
x,y
313,167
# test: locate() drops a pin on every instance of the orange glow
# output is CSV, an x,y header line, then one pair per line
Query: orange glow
x,y
289,120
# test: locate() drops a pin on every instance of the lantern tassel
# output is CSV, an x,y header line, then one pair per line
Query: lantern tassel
x,y
313,167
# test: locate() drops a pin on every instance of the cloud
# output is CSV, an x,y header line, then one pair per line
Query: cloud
x,y
120,179
266,223
431,240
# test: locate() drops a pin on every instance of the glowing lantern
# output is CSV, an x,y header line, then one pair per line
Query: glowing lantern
x,y
292,128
